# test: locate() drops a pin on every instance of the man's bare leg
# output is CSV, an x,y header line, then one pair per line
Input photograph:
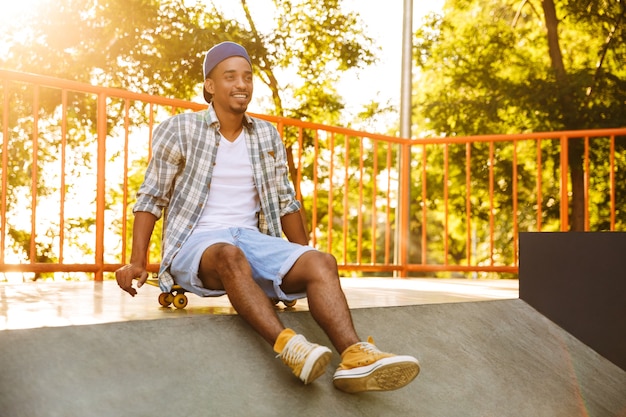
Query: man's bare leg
x,y
316,273
224,267
363,366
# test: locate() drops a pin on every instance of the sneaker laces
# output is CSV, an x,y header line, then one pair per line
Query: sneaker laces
x,y
369,347
296,350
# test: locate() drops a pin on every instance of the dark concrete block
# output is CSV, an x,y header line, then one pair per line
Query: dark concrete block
x,y
578,280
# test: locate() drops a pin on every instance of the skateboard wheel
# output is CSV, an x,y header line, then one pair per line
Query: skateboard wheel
x,y
290,304
165,299
180,301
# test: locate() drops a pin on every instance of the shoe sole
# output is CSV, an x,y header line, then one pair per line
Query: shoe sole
x,y
318,366
385,375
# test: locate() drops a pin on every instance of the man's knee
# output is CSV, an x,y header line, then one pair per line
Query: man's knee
x,y
219,262
227,253
230,260
320,264
328,261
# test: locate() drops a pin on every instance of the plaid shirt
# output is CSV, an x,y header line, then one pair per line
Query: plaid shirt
x,y
178,178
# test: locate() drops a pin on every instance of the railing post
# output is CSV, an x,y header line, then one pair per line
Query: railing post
x,y
404,203
4,177
612,182
101,185
564,184
34,177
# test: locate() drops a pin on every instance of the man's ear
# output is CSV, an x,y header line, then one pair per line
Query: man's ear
x,y
208,86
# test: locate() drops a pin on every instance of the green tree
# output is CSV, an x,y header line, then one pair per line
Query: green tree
x,y
588,83
157,46
511,66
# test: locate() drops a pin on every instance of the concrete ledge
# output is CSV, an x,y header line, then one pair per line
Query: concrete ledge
x,y
483,358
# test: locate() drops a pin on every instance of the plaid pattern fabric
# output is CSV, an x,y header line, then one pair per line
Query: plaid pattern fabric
x,y
178,178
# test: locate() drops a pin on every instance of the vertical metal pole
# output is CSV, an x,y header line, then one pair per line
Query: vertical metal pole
x,y
407,66
406,88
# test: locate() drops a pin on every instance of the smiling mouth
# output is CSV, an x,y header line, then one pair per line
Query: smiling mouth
x,y
242,96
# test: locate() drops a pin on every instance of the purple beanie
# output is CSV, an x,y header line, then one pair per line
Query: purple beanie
x,y
217,54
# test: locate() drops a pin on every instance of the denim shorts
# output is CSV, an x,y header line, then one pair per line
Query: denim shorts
x,y
270,258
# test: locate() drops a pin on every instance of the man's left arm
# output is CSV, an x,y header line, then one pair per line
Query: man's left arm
x,y
293,228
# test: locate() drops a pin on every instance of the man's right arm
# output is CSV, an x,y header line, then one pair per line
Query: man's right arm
x,y
136,268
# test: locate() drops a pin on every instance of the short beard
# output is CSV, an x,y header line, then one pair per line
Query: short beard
x,y
239,109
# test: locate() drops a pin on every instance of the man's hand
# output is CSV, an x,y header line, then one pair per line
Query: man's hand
x,y
142,230
127,273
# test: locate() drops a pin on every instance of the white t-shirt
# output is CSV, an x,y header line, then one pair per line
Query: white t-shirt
x,y
233,199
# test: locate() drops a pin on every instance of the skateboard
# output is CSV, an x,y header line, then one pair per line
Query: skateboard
x,y
177,296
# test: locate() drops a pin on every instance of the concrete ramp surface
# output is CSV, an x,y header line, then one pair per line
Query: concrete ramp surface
x,y
488,358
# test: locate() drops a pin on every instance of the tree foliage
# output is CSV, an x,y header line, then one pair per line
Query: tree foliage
x,y
486,64
514,66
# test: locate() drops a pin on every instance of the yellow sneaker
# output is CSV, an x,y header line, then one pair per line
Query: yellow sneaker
x,y
307,360
365,368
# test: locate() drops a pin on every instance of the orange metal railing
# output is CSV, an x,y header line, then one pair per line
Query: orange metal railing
x,y
73,155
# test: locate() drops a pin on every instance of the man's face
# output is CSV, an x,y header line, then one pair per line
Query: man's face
x,y
230,82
